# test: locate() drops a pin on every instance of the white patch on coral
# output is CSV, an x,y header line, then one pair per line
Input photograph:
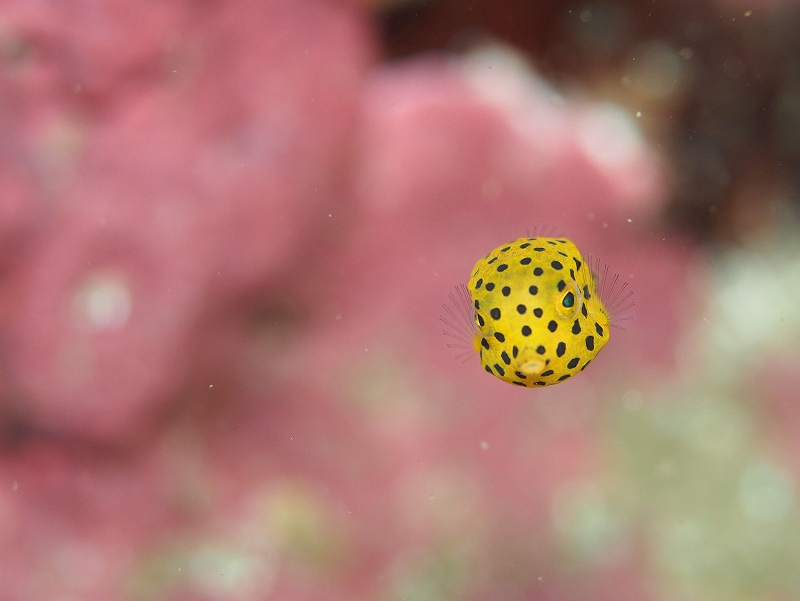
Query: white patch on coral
x,y
504,79
103,301
606,133
610,138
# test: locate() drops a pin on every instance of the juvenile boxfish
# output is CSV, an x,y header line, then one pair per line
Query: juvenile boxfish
x,y
533,313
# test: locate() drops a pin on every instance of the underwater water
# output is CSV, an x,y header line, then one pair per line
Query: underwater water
x,y
227,231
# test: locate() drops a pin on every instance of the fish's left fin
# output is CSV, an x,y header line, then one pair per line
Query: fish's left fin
x,y
616,294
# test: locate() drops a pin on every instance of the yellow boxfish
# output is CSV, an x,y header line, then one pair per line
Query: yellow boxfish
x,y
532,312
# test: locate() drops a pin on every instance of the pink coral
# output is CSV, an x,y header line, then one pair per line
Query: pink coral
x,y
200,192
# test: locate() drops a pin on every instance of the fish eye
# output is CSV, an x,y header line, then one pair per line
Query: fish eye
x,y
568,303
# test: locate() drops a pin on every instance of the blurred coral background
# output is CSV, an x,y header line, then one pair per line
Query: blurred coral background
x,y
226,230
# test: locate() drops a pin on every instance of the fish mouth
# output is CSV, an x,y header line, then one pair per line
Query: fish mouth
x,y
533,365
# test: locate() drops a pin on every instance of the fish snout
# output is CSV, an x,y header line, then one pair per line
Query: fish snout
x,y
531,362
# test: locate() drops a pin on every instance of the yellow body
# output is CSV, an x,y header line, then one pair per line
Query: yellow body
x,y
537,312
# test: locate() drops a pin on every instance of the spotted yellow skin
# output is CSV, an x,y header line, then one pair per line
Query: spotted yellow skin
x,y
528,331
